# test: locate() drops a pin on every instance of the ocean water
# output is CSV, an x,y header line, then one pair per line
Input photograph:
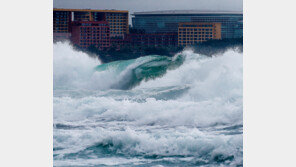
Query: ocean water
x,y
152,111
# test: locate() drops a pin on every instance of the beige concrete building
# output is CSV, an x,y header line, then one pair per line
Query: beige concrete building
x,y
191,33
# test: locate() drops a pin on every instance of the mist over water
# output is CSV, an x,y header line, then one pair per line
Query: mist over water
x,y
154,110
72,69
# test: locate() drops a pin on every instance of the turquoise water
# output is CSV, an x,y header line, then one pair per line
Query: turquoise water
x,y
144,68
152,111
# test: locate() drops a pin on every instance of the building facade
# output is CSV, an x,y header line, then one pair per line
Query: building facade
x,y
168,21
153,40
106,28
87,33
193,33
117,20
61,21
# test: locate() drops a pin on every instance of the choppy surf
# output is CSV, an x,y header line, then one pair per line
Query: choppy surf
x,y
153,111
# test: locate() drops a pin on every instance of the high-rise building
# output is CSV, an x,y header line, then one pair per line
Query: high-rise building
x,y
167,21
117,20
193,33
87,33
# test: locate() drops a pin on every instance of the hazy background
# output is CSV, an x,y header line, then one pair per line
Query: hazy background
x,y
151,5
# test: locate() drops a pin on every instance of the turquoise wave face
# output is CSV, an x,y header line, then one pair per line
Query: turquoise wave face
x,y
144,68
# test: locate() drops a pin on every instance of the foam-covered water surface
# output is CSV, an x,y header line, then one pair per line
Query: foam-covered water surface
x,y
152,111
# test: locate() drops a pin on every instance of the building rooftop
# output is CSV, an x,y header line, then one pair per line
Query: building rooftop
x,y
182,12
90,10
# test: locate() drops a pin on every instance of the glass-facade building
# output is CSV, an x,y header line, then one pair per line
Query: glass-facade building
x,y
167,21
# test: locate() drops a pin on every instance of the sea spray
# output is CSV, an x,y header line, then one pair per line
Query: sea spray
x,y
187,115
72,69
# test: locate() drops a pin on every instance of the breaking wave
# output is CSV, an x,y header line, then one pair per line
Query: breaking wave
x,y
132,72
181,111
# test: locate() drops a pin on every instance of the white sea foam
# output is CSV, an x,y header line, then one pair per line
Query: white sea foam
x,y
75,70
172,127
220,76
156,112
98,161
